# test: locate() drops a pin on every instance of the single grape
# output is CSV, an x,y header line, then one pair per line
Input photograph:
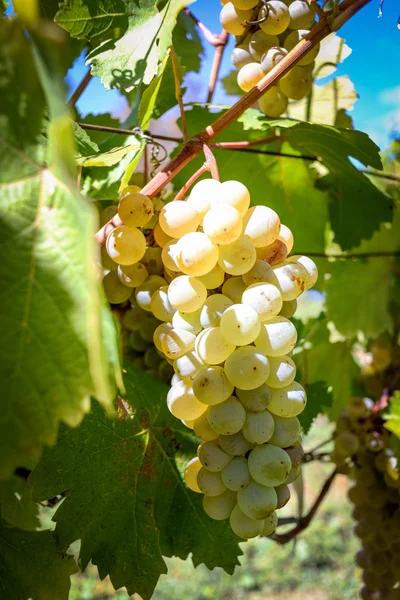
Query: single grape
x,y
272,57
247,368
234,20
210,483
168,256
201,194
188,365
214,278
182,402
287,431
243,526
346,443
203,430
260,272
106,261
135,209
152,260
189,321
160,305
147,327
145,291
291,279
255,400
302,15
257,501
107,214
283,494
289,401
295,472
273,102
132,275
274,253
261,225
277,337
260,42
259,427
237,258
187,293
269,465
240,324
196,254
288,309
228,417
264,298
219,507
176,342
137,343
286,236
126,245
115,291
236,475
241,56
233,193
270,524
222,224
234,288
278,18
159,334
309,267
160,236
293,39
282,371
212,457
244,4
213,309
234,445
190,474
133,317
211,386
296,84
178,218
249,75
212,347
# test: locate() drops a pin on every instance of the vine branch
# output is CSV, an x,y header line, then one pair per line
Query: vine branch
x,y
80,89
216,65
351,256
212,39
178,94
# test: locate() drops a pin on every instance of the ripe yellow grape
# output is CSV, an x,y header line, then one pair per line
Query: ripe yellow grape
x,y
259,427
160,305
233,288
309,267
237,258
261,226
187,293
296,84
290,278
274,253
234,20
176,342
260,42
235,194
243,526
257,501
188,365
145,291
214,278
212,347
211,386
293,39
278,17
249,75
260,272
196,254
190,474
228,417
202,193
168,256
273,103
189,321
159,334
286,236
219,507
135,209
241,56
286,432
247,368
178,218
282,371
240,324
288,309
272,57
210,483
289,401
132,275
115,291
302,15
222,224
182,402
203,429
160,236
126,245
255,400
244,4
213,309
278,336
269,465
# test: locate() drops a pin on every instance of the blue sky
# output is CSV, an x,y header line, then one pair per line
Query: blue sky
x,y
373,66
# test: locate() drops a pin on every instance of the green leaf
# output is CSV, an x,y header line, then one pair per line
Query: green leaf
x,y
136,57
392,417
31,567
150,104
16,504
110,158
188,44
102,137
333,51
128,504
319,398
85,145
230,84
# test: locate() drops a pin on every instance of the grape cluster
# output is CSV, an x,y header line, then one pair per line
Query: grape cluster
x,y
283,23
362,447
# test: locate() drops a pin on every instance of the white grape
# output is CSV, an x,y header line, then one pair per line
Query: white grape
x,y
189,321
188,424
249,75
261,225
295,453
283,493
178,218
188,365
247,368
255,400
296,84
160,305
234,288
211,386
273,102
286,236
241,56
190,474
264,298
135,209
212,457
182,402
159,334
168,255
240,324
219,507
160,236
145,291
133,317
126,245
187,293
260,42
214,278
257,501
289,401
236,475
293,39
278,17
196,254
108,213
213,309
274,253
269,465
272,57
222,224
261,271
234,20
278,337
309,267
176,342
282,371
259,427
234,445
228,417
201,194
152,260
237,258
203,429
287,431
210,484
302,15
295,472
212,347
235,194
270,524
175,379
132,275
244,4
107,263
288,309
243,526
115,291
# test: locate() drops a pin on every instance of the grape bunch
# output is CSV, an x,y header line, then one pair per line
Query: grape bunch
x,y
362,448
282,24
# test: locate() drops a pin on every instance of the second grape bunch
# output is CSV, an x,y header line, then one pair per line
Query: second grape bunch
x,y
282,24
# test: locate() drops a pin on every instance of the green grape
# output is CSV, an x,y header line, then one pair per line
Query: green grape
x,y
189,321
187,293
248,77
176,342
228,417
132,275
293,39
212,457
190,474
278,18
233,193
283,494
234,445
274,253
247,368
196,254
240,324
188,365
286,432
201,193
295,472
270,524
277,337
260,42
236,475
286,236
135,209
152,260
139,363
244,4
203,429
106,261
219,507
145,291
178,218
237,258
289,401
126,245
137,342
107,214
257,501
165,371
211,386
273,102
151,358
212,347
160,305
261,226
302,15
272,57
255,400
296,84
147,328
182,402
282,371
264,298
133,317
347,443
269,465
234,20
243,526
260,272
241,56
213,309
159,334
210,483
214,278
288,309
115,291
258,427
233,288
168,256
295,453
291,279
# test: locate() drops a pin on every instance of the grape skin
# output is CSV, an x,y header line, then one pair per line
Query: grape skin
x,y
249,75
182,402
212,457
259,427
243,526
233,19
278,18
126,245
196,254
190,474
220,507
257,501
247,368
289,401
228,417
236,475
296,84
210,483
240,324
269,465
273,103
211,386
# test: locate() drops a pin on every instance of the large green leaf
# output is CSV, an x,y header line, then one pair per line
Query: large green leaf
x,y
16,504
128,504
31,567
135,58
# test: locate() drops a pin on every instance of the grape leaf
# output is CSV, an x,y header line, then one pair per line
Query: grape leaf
x,y
230,84
128,504
135,58
319,398
188,44
112,157
16,504
31,567
101,137
85,145
332,51
392,417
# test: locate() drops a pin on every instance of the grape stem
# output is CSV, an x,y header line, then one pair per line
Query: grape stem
x,y
216,65
203,169
211,162
178,95
317,9
80,89
305,521
194,146
211,38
